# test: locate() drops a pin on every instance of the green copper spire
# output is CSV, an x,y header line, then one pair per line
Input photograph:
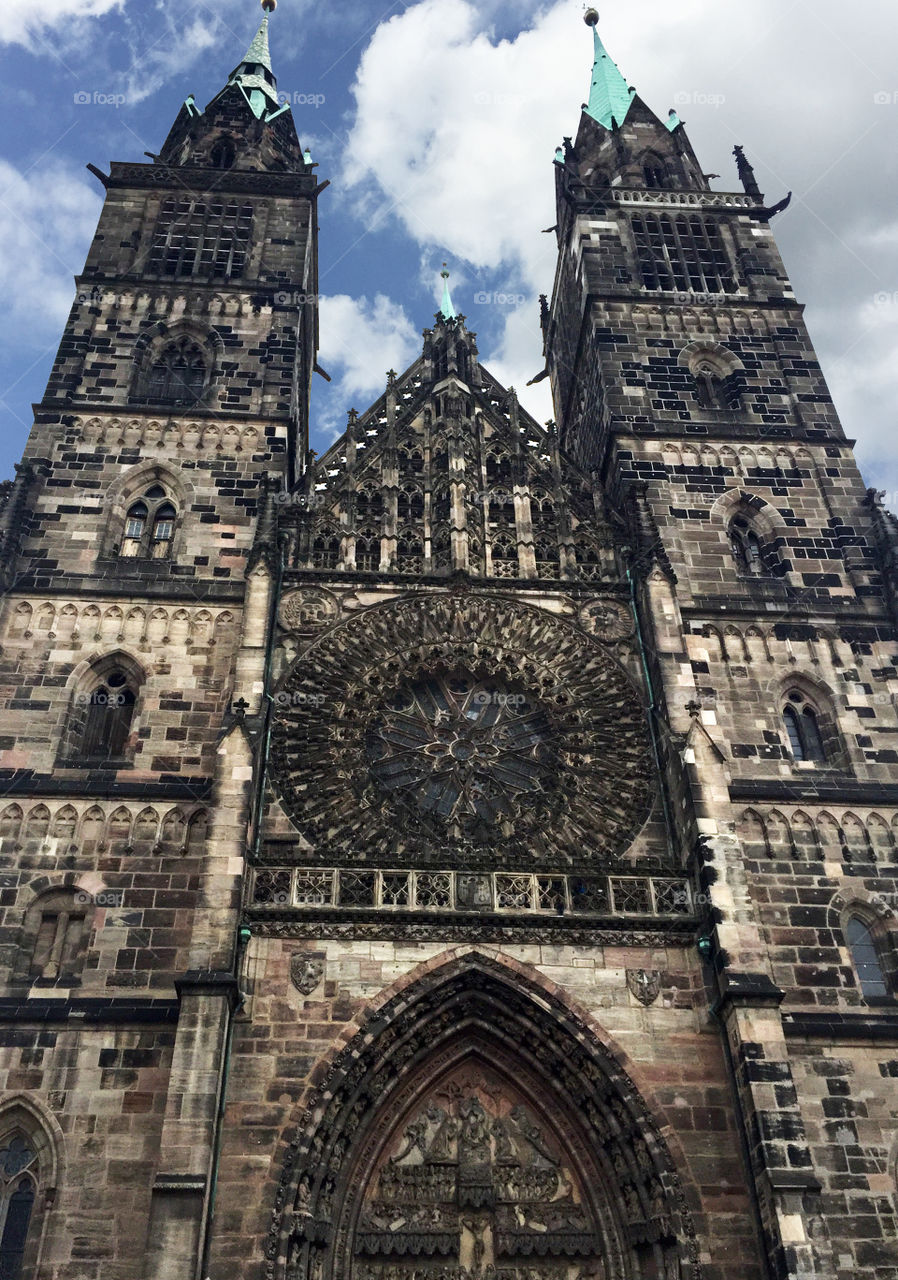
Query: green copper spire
x,y
256,77
447,311
609,94
259,52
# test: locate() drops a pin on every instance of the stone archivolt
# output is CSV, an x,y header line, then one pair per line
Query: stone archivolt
x,y
465,721
471,1133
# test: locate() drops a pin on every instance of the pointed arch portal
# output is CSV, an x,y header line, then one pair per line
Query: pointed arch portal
x,y
475,1129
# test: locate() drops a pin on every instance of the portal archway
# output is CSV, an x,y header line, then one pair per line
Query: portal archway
x,y
476,1129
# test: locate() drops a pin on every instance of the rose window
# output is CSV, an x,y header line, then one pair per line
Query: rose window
x,y
441,726
462,750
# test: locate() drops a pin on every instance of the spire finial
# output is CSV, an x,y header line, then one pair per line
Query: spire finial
x,y
610,97
447,310
269,5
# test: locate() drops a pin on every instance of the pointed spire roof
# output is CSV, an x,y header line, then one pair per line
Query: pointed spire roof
x,y
447,310
259,51
609,94
255,76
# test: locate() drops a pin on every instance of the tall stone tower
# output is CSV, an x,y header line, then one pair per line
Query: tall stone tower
x,y
468,855
137,595
685,380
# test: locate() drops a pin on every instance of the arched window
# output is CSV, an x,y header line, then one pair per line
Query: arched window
x,y
57,929
655,173
98,732
547,563
107,723
410,506
367,552
746,546
409,553
326,551
710,387
18,1188
505,558
865,955
178,374
149,528
223,154
803,727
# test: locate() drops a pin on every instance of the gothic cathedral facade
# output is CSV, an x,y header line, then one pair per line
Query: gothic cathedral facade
x,y
471,854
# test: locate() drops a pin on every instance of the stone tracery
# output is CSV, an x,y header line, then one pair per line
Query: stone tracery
x,y
553,764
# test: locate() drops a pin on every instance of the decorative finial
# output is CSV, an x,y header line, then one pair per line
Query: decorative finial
x,y
591,17
445,272
269,5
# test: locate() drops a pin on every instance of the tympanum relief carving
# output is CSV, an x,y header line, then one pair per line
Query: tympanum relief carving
x,y
474,1187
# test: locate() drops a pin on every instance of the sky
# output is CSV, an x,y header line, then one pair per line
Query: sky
x,y
436,122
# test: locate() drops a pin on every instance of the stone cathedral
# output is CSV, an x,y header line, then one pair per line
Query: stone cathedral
x,y
471,854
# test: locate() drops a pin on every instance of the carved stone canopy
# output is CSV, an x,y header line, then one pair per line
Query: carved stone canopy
x,y
464,721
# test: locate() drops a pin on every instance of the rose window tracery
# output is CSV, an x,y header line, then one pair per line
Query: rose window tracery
x,y
463,749
457,723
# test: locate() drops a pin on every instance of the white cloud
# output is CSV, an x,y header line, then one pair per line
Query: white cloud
x,y
464,142
360,340
43,244
27,23
159,64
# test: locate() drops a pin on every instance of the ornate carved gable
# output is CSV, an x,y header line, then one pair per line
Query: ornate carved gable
x,y
445,473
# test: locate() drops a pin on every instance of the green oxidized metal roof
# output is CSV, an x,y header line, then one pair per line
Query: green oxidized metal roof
x,y
261,94
609,94
259,50
447,310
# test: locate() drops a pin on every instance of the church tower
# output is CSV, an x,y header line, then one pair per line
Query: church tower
x,y
469,854
138,586
686,382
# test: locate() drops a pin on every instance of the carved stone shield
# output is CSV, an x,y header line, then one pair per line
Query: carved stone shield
x,y
606,619
307,970
311,607
645,984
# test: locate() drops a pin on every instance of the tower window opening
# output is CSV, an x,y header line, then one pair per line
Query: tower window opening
x,y
149,528
747,548
655,174
223,154
178,375
18,1163
208,238
865,955
682,254
107,724
803,729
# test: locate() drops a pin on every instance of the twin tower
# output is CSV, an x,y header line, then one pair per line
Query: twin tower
x,y
471,854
